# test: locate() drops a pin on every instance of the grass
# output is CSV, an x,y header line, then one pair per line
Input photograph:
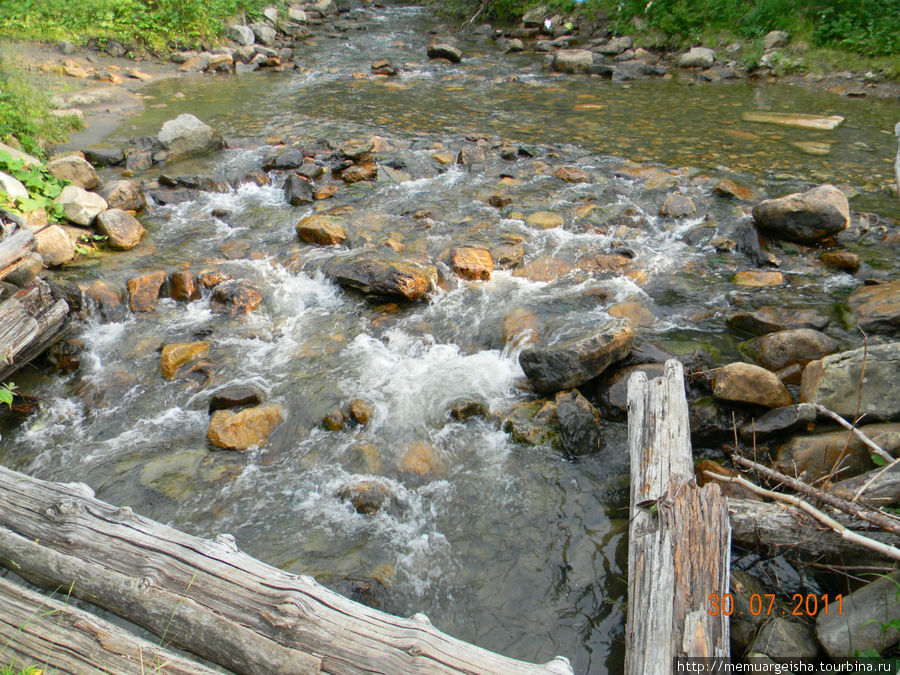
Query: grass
x,y
157,25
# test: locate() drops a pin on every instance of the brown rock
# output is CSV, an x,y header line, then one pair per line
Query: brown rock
x,y
635,312
474,264
571,174
176,355
245,429
183,286
366,496
213,279
677,205
770,319
77,170
520,326
234,396
237,295
877,308
122,230
421,459
730,189
814,456
360,172
841,260
322,230
360,411
143,291
544,220
755,279
804,217
746,383
54,245
507,256
544,269
335,420
380,274
776,351
123,194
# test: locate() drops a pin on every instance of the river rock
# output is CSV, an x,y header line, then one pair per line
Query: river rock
x,y
264,33
174,356
697,57
834,382
183,286
357,173
782,639
101,155
298,191
12,187
532,422
787,347
366,496
243,35
610,391
421,459
534,17
780,421
580,424
54,245
858,627
573,61
237,296
746,383
815,456
383,275
79,205
804,217
776,39
474,264
507,256
616,45
713,422
122,230
841,260
677,205
728,188
544,269
877,308
360,411
520,326
757,279
544,220
769,319
571,363
297,14
572,174
76,170
234,396
442,50
143,291
310,170
284,158
245,429
321,230
186,136
123,194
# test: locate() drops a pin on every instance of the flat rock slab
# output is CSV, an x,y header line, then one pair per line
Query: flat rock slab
x,y
100,99
801,121
378,274
769,319
877,308
569,364
858,626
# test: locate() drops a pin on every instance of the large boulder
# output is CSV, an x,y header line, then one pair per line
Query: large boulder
x,y
804,217
123,194
383,275
79,205
122,230
877,308
76,170
321,230
54,245
186,136
573,61
697,57
264,33
835,382
12,186
571,363
815,456
245,429
243,35
746,383
787,347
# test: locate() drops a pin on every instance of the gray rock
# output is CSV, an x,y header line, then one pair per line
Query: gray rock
x,y
444,51
12,186
297,15
697,57
534,17
571,363
381,274
271,14
677,205
123,194
782,639
580,424
776,39
877,308
103,156
298,190
780,421
787,347
858,627
515,45
79,205
834,382
770,319
804,217
122,230
76,170
616,46
264,33
186,136
244,68
243,35
54,245
635,70
573,61
115,48
66,48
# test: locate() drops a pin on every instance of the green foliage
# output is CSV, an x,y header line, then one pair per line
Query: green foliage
x,y
42,187
156,24
6,393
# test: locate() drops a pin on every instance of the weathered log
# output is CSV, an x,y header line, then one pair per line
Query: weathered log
x,y
13,249
212,599
679,538
882,486
31,320
755,523
36,630
897,161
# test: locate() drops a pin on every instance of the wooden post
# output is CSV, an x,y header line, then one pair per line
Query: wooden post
x,y
45,632
679,539
30,321
210,599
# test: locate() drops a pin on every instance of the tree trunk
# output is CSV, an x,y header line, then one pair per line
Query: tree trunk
x,y
210,598
679,539
31,320
41,631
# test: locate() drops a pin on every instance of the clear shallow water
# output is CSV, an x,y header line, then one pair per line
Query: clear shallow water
x,y
512,546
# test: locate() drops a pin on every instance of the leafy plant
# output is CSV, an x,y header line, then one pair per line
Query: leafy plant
x,y
42,186
7,391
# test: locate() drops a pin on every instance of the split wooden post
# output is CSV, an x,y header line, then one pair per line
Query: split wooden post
x,y
31,320
209,598
679,548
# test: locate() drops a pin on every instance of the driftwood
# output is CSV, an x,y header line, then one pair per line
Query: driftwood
x,y
879,487
778,525
14,249
36,630
679,537
31,320
213,600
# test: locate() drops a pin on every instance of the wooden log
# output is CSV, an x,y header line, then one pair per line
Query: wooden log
x,y
41,631
882,486
13,249
897,160
679,538
31,320
755,523
212,599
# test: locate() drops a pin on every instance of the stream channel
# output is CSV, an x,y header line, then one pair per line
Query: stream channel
x,y
516,547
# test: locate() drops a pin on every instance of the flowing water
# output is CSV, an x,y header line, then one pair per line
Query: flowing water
x,y
515,547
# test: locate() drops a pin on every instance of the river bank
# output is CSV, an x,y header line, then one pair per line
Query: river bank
x,y
405,251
